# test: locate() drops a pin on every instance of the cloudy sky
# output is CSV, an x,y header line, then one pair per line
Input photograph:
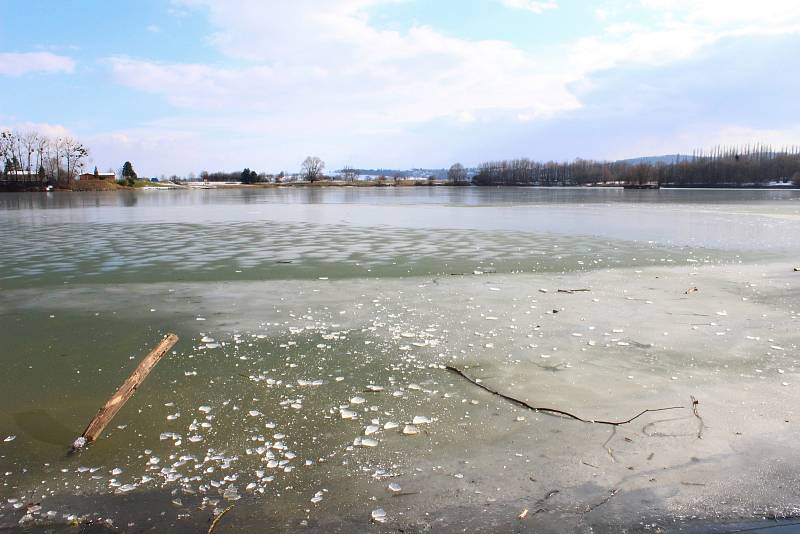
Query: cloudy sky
x,y
185,85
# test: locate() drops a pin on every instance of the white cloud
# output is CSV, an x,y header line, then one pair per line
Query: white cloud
x,y
534,6
22,63
153,28
48,129
676,30
717,13
322,61
320,76
744,135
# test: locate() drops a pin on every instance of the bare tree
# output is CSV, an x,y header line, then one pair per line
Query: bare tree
x,y
348,173
34,157
457,174
74,154
42,148
28,142
312,168
6,140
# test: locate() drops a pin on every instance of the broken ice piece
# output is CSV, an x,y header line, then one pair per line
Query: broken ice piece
x,y
125,488
358,400
410,430
371,429
379,515
231,493
10,438
390,425
347,414
394,487
420,420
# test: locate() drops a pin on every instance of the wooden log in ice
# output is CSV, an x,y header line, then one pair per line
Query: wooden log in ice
x,y
125,392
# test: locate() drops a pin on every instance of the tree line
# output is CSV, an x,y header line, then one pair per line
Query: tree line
x,y
30,156
751,165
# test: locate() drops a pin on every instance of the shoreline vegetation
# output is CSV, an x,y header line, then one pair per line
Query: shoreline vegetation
x,y
35,162
88,186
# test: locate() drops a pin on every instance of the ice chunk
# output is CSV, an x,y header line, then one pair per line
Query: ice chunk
x,y
420,420
379,515
231,493
410,430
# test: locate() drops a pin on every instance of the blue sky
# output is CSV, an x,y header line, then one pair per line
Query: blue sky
x,y
179,86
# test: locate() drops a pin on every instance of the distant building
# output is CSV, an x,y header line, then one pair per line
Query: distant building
x,y
99,175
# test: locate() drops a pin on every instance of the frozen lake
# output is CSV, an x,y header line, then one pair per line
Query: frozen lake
x,y
310,389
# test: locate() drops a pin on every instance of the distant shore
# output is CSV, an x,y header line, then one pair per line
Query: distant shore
x,y
108,185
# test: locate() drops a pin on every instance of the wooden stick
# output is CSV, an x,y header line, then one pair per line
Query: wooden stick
x,y
554,411
216,519
125,392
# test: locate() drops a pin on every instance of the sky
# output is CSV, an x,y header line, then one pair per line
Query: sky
x,y
180,86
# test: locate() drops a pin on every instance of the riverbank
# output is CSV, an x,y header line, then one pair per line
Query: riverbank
x,y
85,185
107,185
110,185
